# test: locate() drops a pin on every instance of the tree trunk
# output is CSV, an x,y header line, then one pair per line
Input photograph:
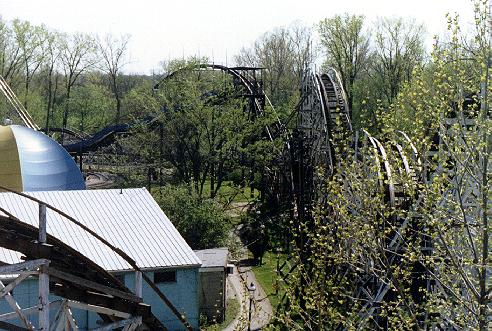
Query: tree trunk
x,y
65,113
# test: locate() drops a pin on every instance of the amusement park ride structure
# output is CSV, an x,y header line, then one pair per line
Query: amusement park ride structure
x,y
322,138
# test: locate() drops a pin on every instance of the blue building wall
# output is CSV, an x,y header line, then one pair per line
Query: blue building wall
x,y
183,294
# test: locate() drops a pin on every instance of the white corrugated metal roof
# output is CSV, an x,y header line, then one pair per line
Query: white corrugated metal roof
x,y
131,221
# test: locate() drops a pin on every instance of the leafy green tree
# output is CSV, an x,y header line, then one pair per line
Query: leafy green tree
x,y
30,40
347,49
10,59
207,131
201,222
398,51
140,102
91,106
48,70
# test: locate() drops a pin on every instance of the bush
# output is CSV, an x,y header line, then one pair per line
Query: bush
x,y
201,222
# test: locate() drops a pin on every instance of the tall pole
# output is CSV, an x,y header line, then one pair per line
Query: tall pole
x,y
44,281
250,311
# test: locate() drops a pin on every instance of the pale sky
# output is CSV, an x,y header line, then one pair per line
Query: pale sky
x,y
163,30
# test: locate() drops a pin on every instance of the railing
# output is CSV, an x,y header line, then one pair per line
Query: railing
x,y
17,105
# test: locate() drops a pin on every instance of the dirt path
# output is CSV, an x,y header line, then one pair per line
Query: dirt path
x,y
260,305
240,280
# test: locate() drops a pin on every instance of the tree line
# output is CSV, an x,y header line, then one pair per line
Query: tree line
x,y
65,80
57,75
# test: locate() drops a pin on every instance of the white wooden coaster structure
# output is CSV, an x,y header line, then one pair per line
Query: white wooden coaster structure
x,y
61,310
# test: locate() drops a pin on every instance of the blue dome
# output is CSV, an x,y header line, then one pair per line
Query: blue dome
x,y
43,165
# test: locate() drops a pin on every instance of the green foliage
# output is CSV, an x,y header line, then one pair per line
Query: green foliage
x,y
270,281
139,102
232,311
361,258
92,107
347,48
201,222
373,65
207,132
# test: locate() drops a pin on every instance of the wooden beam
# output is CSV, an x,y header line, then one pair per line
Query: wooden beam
x,y
15,306
71,319
97,309
11,327
59,315
28,311
92,285
42,223
44,278
61,321
44,293
14,283
138,284
135,321
18,267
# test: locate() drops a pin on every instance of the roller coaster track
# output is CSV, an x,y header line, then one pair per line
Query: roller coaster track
x,y
74,276
254,92
17,105
327,137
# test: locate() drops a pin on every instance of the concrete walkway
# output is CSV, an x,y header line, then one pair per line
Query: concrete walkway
x,y
261,307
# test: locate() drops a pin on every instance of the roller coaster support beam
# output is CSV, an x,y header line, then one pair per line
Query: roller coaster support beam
x,y
44,249
138,284
44,278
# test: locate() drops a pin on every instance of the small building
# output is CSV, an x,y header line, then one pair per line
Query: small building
x,y
129,219
213,283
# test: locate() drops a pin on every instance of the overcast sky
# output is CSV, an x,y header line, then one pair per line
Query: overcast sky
x,y
163,30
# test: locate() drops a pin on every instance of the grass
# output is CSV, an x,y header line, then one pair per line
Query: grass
x,y
230,192
266,275
231,312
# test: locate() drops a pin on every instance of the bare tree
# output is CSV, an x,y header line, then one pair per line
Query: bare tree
x,y
284,53
77,55
398,49
112,52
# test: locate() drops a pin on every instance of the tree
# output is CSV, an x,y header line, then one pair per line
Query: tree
x,y
285,53
347,48
112,52
398,51
10,59
201,222
77,56
91,104
30,40
52,55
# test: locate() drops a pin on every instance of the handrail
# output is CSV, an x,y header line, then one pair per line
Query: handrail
x,y
17,105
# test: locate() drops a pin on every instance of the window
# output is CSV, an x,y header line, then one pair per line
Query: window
x,y
165,277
